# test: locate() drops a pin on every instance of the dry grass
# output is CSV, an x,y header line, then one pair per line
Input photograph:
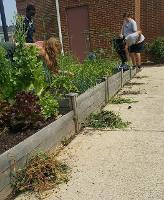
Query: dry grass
x,y
42,172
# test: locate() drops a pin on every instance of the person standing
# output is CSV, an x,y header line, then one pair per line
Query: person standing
x,y
28,22
129,26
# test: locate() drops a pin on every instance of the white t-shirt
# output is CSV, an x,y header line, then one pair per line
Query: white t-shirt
x,y
132,38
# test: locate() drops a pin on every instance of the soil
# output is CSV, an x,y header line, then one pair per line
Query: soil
x,y
9,139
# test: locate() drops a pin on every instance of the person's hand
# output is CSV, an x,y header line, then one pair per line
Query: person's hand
x,y
121,36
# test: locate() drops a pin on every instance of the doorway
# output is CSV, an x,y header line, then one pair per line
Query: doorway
x,y
78,29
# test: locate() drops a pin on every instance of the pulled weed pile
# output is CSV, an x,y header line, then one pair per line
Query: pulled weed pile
x,y
134,83
41,173
130,92
140,77
121,100
106,119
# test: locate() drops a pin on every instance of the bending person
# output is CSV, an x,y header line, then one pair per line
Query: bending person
x,y
48,50
135,42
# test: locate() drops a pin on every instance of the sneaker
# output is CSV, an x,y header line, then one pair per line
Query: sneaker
x,y
139,67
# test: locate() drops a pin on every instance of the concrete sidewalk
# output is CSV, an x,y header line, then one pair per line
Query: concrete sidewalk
x,y
122,164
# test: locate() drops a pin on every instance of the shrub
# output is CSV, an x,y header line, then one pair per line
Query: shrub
x,y
25,72
156,50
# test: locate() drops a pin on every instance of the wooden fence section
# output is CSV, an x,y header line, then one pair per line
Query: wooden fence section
x,y
92,100
114,84
126,77
52,135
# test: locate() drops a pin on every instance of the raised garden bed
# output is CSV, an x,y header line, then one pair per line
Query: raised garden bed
x,y
67,125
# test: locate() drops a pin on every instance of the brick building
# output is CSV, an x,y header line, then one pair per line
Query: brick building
x,y
88,25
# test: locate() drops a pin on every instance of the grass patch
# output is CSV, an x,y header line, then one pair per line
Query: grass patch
x,y
121,100
65,142
130,92
42,172
106,119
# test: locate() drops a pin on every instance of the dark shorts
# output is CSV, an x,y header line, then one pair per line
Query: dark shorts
x,y
136,48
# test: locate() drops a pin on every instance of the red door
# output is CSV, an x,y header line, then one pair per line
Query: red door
x,y
78,31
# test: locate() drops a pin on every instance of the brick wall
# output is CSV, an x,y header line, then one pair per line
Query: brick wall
x,y
152,18
105,18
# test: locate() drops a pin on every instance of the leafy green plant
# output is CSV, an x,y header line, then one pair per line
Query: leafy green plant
x,y
25,72
87,73
6,75
106,119
49,105
19,32
42,172
156,50
62,85
24,113
121,100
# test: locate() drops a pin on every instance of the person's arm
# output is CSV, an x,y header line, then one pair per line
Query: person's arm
x,y
121,33
134,26
139,36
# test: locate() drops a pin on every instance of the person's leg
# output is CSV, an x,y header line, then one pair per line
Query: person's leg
x,y
133,58
127,52
138,59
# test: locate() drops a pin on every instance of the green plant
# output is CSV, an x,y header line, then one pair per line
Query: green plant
x,y
62,85
19,32
87,73
7,80
121,100
42,172
49,105
67,140
156,50
25,72
23,114
106,119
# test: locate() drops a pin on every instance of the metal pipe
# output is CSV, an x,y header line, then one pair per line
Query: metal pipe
x,y
3,19
59,26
